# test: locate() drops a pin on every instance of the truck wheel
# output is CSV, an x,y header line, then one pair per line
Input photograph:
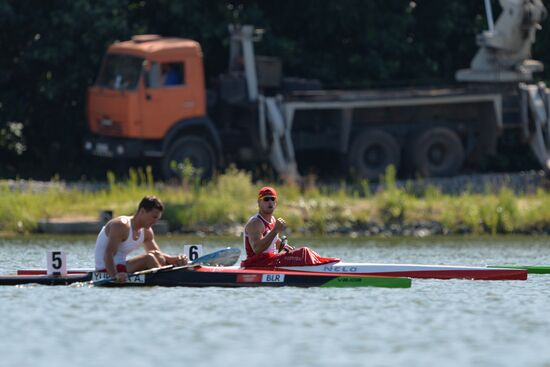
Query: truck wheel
x,y
372,152
437,152
194,149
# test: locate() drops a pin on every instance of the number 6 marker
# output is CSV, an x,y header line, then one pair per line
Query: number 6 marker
x,y
193,252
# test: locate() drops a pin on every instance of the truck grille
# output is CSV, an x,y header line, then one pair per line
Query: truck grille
x,y
109,127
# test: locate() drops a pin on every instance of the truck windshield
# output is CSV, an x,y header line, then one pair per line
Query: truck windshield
x,y
120,72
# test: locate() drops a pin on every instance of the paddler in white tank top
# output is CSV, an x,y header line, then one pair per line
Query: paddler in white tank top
x,y
124,234
261,232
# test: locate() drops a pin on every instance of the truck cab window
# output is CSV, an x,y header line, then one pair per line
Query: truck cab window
x,y
173,74
120,72
166,74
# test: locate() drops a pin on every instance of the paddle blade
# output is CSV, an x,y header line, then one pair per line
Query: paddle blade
x,y
102,281
224,257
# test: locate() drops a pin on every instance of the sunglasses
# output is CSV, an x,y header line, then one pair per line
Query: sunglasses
x,y
269,199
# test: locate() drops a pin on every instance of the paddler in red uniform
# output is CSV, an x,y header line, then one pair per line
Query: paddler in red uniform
x,y
264,248
261,233
124,234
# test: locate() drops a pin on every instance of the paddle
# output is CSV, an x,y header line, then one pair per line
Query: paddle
x,y
224,257
284,245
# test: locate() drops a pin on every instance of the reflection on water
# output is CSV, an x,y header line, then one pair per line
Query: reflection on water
x,y
452,322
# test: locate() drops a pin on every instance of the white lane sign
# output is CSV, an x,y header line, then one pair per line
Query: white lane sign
x,y
56,263
193,252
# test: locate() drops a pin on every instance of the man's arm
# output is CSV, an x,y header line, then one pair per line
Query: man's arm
x,y
150,245
118,232
254,230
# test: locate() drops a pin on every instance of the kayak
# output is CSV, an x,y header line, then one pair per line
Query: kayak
x,y
414,271
386,270
214,276
304,259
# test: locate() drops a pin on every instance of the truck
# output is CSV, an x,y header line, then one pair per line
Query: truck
x,y
150,101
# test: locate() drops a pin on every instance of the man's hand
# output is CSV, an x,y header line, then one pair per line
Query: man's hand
x,y
284,245
280,225
182,260
121,278
287,248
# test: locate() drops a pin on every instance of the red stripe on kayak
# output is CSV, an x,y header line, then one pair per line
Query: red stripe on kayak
x,y
43,272
458,274
260,272
450,274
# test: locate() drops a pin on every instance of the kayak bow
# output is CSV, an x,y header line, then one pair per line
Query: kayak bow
x,y
531,269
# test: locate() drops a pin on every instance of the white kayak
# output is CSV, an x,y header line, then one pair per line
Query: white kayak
x,y
416,271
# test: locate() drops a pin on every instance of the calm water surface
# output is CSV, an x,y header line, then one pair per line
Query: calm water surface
x,y
451,323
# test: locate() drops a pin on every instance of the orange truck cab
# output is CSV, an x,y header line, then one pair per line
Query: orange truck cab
x,y
149,102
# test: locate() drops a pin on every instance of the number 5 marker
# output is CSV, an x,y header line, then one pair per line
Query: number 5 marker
x,y
56,263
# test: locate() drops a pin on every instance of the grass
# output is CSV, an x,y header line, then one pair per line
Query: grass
x,y
230,199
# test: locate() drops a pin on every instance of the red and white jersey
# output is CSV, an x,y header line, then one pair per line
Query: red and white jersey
x,y
268,227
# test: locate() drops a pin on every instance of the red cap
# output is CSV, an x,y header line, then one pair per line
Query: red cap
x,y
267,191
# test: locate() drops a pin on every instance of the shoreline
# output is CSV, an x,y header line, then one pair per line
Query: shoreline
x,y
510,204
237,240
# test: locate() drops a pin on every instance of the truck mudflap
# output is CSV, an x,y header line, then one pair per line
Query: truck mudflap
x,y
535,119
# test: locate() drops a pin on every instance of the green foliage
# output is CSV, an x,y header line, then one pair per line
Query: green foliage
x,y
432,193
392,200
539,210
470,214
389,179
365,188
11,138
111,180
189,175
507,212
228,200
487,213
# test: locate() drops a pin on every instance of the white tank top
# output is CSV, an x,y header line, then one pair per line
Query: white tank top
x,y
124,248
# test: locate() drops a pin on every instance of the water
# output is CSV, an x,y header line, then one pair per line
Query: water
x,y
451,323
